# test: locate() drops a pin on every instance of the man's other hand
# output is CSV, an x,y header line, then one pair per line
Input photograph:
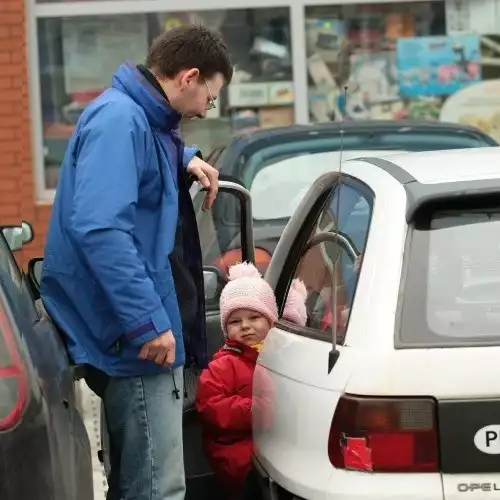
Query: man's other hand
x,y
208,177
161,350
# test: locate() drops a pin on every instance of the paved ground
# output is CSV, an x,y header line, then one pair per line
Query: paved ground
x,y
91,416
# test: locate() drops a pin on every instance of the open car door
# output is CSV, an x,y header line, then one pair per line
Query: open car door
x,y
225,236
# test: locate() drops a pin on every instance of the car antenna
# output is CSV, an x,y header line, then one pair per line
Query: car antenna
x,y
334,353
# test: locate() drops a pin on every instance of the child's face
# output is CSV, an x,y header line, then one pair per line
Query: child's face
x,y
247,327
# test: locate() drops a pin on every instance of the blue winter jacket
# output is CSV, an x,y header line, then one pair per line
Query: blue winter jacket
x,y
107,279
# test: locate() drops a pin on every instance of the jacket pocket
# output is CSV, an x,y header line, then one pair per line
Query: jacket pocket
x,y
165,288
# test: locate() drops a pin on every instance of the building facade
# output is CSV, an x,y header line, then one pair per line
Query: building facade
x,y
296,61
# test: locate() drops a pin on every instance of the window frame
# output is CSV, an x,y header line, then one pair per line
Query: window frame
x,y
36,11
291,264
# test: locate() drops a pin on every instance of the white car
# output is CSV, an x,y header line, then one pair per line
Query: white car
x,y
406,402
392,390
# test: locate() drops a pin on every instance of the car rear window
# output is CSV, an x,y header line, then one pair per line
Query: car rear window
x,y
451,291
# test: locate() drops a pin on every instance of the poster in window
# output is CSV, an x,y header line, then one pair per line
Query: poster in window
x,y
437,65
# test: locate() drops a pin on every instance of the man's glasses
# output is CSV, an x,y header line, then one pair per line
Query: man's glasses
x,y
211,102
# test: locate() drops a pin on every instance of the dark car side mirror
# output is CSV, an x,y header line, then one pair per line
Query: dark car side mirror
x,y
17,236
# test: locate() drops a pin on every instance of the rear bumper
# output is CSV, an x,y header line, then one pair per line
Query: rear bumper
x,y
350,485
270,489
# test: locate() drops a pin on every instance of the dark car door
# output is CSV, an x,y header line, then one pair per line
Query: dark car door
x,y
199,477
43,434
198,474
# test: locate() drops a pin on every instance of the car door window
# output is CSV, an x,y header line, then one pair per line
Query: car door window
x,y
329,271
220,241
15,287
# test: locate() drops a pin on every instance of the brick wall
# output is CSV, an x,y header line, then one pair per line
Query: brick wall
x,y
17,189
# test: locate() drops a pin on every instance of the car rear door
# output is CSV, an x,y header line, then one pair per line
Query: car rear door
x,y
305,366
48,448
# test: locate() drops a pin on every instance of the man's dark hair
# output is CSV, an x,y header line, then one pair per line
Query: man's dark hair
x,y
190,46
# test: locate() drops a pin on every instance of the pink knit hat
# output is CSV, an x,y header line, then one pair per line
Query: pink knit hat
x,y
246,289
295,307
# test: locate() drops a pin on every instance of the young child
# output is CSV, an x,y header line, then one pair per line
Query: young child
x,y
224,399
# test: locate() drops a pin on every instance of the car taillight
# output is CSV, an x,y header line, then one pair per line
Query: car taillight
x,y
376,434
13,378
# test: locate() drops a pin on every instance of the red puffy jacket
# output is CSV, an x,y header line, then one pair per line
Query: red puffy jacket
x,y
224,403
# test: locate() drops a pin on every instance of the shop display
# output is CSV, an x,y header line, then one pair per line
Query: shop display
x,y
325,37
323,105
477,105
363,58
276,116
420,59
79,54
398,25
438,65
280,93
375,77
472,16
243,95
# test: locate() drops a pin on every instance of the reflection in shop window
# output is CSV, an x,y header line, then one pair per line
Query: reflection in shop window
x,y
79,55
398,61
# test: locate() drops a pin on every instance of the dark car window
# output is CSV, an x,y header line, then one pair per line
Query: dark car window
x,y
451,294
15,287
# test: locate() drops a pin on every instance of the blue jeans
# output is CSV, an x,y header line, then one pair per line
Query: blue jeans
x,y
144,419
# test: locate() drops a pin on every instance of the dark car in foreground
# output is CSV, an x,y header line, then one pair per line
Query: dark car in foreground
x,y
44,447
278,165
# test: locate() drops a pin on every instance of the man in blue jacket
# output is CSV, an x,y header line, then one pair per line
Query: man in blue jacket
x,y
122,273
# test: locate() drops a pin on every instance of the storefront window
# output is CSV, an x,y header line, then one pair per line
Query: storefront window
x,y
78,55
420,60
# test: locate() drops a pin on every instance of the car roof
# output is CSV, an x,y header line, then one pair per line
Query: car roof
x,y
432,167
355,126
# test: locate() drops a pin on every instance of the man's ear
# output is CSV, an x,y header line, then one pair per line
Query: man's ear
x,y
188,76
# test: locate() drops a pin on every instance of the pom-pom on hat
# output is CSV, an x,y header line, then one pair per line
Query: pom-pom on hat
x,y
246,289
